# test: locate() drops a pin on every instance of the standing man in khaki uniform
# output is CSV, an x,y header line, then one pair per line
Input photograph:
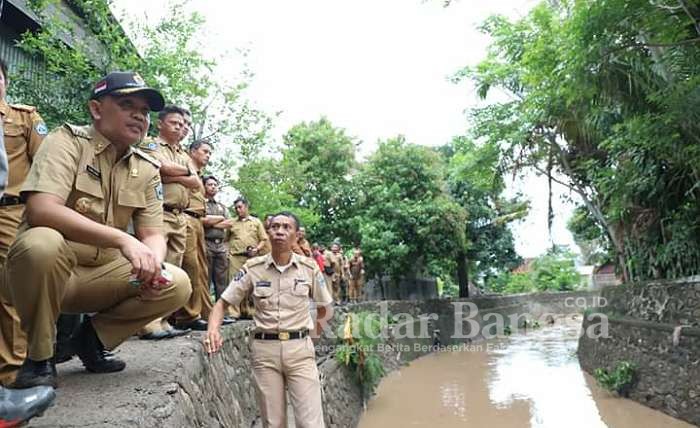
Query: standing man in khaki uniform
x,y
356,281
73,253
302,246
178,179
24,131
282,285
216,223
194,314
247,238
335,269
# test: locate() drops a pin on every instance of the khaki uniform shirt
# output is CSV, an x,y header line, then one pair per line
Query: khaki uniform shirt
x,y
282,299
215,208
24,131
357,265
337,261
302,248
197,199
79,165
244,233
174,194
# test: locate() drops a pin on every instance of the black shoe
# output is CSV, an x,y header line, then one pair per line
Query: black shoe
x,y
156,335
36,373
92,352
196,325
228,320
176,332
63,352
18,406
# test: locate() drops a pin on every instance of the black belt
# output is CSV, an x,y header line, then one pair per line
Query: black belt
x,y
194,214
216,240
11,200
172,209
282,335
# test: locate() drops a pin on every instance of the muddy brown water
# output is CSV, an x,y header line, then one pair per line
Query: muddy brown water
x,y
528,380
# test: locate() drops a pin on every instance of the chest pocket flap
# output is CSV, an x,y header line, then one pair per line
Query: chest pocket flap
x,y
88,184
132,198
13,130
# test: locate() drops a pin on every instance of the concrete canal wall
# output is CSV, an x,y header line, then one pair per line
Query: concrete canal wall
x,y
656,326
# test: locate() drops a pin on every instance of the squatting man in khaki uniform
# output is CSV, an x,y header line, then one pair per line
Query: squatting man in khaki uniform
x,y
282,285
73,253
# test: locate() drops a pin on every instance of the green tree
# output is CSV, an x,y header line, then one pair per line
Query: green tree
x,y
168,55
409,224
604,99
475,181
318,160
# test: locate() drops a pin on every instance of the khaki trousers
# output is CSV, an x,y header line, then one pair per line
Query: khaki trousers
x,y
355,289
246,308
13,341
175,231
194,263
291,364
45,279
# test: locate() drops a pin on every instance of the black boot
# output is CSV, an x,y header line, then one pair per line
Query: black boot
x,y
18,406
92,352
36,373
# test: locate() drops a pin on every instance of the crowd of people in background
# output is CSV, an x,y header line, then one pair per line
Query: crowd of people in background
x,y
106,233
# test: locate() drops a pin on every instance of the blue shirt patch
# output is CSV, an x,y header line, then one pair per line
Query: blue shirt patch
x,y
159,192
151,146
41,128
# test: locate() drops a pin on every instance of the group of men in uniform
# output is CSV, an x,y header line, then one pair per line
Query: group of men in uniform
x,y
82,232
102,220
342,273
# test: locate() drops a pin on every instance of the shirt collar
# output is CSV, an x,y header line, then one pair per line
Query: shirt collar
x,y
100,141
270,262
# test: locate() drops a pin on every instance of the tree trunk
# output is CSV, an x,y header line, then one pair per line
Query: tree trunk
x,y
462,274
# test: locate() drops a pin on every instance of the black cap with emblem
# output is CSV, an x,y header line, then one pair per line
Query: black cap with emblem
x,y
127,83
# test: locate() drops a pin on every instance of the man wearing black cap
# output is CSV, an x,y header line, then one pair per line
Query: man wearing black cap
x,y
73,253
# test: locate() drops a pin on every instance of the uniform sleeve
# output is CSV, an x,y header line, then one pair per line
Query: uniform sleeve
x,y
262,234
152,214
239,288
36,135
55,166
320,293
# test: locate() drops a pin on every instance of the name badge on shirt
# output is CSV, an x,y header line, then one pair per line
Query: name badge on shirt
x,y
263,284
94,172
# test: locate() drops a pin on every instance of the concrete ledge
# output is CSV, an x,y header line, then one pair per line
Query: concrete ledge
x,y
174,384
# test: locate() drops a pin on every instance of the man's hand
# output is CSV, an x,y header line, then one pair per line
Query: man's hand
x,y
145,266
213,340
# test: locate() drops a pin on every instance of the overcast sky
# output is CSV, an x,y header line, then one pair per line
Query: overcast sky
x,y
377,68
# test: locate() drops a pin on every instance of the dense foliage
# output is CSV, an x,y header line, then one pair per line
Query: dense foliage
x,y
605,98
167,54
553,271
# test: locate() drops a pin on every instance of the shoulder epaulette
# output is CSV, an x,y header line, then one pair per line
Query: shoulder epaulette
x,y
148,144
78,131
306,261
255,261
23,107
149,158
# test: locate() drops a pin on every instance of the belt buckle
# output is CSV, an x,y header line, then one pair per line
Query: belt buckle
x,y
217,241
283,335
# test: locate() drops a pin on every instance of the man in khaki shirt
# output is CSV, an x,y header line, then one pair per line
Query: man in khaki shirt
x,y
193,315
178,180
282,285
216,223
24,131
335,264
73,253
247,238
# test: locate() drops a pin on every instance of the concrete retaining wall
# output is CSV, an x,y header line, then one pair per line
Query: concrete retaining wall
x,y
657,327
220,392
